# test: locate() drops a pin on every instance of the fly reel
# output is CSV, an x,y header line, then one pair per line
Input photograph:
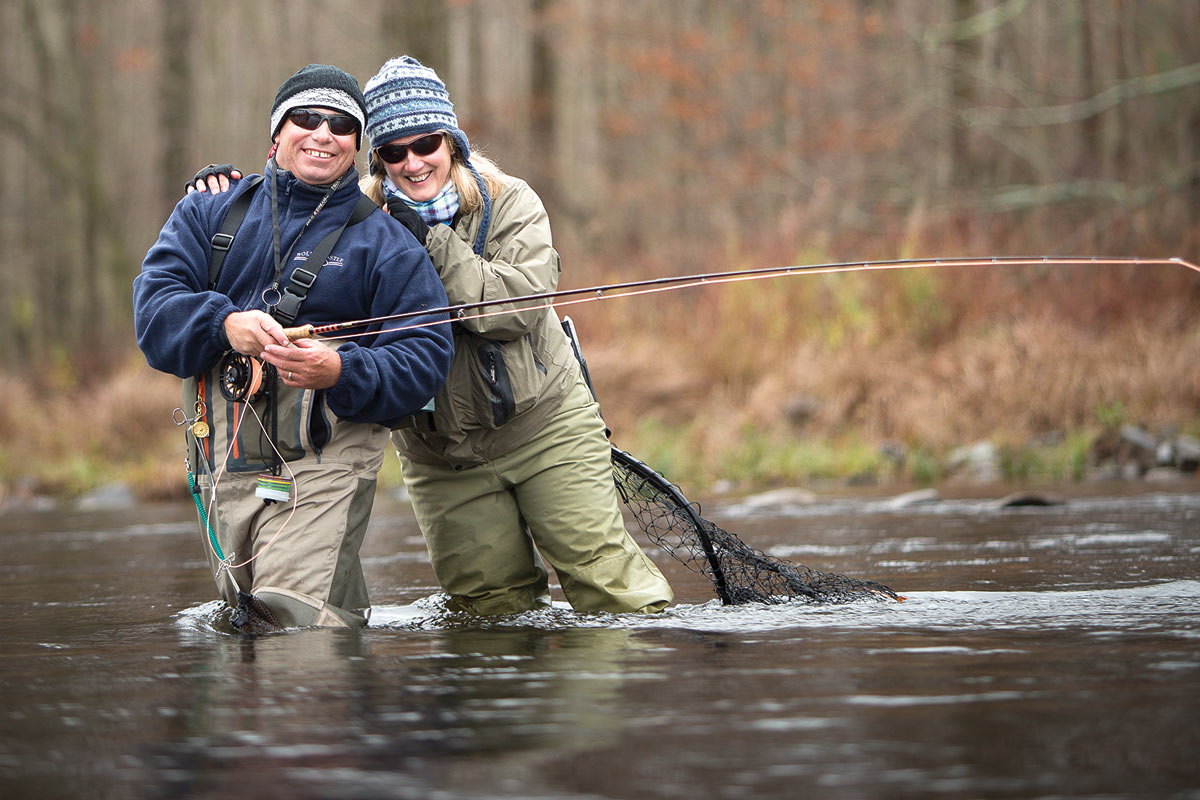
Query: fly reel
x,y
240,378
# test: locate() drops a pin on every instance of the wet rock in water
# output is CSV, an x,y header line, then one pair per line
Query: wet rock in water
x,y
1187,453
910,499
1162,475
1019,499
788,496
770,502
108,497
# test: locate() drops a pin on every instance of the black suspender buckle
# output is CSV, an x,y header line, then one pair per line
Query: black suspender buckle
x,y
222,241
288,307
303,278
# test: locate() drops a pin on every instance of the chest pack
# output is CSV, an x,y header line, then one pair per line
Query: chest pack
x,y
302,277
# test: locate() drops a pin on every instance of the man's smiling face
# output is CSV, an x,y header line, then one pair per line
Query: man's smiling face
x,y
317,157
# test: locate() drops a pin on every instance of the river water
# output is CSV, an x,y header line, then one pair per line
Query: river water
x,y
1041,652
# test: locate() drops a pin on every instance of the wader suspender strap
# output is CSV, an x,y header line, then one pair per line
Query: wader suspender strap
x,y
302,278
223,239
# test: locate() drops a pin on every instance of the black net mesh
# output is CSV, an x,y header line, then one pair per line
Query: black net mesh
x,y
253,616
739,573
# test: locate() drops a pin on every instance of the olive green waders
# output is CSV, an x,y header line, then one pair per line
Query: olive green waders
x,y
554,493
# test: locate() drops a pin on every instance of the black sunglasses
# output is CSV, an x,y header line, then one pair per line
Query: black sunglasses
x,y
339,124
395,153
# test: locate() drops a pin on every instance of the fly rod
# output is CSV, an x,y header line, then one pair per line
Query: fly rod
x,y
461,312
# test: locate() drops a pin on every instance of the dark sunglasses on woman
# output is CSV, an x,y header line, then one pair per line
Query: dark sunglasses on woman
x,y
395,153
339,124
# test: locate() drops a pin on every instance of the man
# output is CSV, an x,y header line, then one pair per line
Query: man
x,y
289,437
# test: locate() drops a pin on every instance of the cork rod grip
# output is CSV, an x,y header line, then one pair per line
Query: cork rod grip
x,y
299,332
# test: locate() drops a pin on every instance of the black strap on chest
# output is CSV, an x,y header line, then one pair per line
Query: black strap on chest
x,y
302,278
222,240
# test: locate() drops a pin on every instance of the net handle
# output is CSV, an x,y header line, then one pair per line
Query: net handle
x,y
659,482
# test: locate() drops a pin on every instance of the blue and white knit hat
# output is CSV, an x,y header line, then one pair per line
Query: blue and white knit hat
x,y
406,98
323,86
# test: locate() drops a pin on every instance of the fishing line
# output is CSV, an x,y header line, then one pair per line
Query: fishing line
x,y
196,428
295,493
226,561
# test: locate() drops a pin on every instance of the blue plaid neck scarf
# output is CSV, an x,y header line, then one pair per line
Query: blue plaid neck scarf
x,y
440,209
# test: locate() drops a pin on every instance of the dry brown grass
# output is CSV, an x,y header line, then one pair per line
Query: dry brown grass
x,y
65,440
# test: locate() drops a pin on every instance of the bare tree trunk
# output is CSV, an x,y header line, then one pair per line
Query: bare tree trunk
x,y
542,70
965,55
60,283
505,80
79,285
417,28
176,102
460,61
576,143
19,318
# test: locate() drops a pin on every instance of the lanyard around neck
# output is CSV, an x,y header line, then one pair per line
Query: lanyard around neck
x,y
273,291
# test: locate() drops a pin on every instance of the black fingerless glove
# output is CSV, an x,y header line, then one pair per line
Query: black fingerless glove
x,y
410,219
208,172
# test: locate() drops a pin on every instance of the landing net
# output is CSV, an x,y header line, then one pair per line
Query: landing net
x,y
739,573
252,615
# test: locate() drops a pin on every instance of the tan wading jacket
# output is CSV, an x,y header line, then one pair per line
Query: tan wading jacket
x,y
511,371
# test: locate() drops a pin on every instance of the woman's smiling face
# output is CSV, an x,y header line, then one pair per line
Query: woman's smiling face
x,y
420,177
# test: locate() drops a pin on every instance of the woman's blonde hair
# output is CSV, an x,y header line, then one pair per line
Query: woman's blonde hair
x,y
470,198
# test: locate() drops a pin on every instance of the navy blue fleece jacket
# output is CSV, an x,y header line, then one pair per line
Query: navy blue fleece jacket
x,y
376,269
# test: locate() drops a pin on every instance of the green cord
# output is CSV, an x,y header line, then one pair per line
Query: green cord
x,y
204,517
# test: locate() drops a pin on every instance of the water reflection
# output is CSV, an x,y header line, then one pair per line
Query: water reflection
x,y
296,705
1051,651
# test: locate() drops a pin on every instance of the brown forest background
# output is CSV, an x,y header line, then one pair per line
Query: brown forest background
x,y
667,137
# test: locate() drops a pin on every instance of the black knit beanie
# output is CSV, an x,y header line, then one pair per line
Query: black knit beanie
x,y
324,86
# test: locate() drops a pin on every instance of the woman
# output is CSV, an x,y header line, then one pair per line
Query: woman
x,y
512,460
